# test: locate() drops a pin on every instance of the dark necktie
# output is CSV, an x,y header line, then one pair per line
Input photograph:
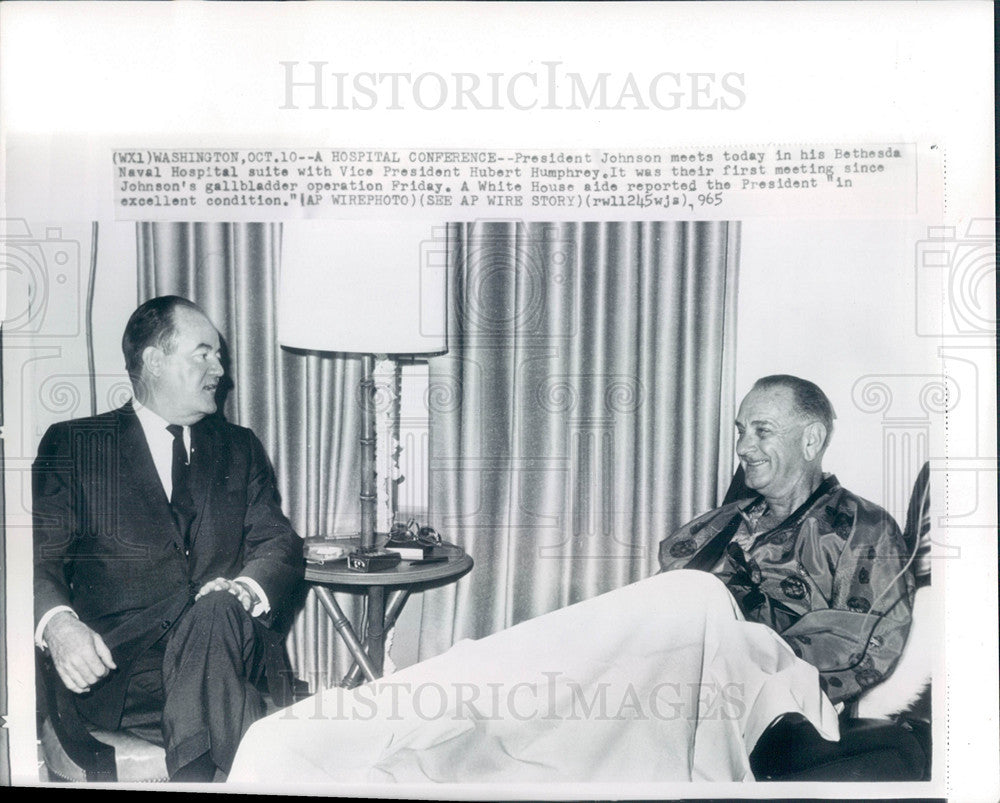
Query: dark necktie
x,y
181,503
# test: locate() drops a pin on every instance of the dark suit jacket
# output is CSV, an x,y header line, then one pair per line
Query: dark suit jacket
x,y
106,544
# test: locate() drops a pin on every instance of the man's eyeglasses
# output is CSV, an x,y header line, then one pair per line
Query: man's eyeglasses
x,y
413,533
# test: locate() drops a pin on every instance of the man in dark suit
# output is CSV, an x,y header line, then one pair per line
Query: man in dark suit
x,y
161,551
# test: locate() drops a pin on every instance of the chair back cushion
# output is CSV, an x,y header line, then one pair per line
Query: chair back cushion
x,y
917,532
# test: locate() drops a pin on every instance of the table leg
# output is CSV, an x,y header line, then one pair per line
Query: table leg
x,y
375,635
392,611
343,626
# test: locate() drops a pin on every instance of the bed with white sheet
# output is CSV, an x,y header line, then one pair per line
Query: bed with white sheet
x,y
659,681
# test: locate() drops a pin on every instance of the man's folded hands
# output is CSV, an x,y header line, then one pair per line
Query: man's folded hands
x,y
239,590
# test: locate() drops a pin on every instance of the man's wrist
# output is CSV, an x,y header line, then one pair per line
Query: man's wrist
x,y
260,603
255,600
43,623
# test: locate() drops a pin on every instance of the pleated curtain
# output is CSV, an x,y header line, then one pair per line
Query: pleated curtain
x,y
302,406
582,412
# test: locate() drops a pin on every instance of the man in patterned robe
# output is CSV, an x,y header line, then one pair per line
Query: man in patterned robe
x,y
823,567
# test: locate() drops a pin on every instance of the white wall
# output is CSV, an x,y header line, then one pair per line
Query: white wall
x,y
835,301
47,359
45,380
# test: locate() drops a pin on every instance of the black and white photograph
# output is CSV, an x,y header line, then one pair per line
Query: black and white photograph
x,y
464,432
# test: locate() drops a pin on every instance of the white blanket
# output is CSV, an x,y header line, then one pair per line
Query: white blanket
x,y
659,681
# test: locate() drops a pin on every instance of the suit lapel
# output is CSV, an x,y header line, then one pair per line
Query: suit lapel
x,y
141,471
204,448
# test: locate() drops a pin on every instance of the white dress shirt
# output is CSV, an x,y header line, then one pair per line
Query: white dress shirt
x,y
161,444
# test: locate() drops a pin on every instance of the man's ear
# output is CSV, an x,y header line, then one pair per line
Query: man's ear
x,y
152,360
813,440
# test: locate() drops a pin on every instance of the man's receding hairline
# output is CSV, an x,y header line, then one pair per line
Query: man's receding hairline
x,y
796,388
172,333
794,405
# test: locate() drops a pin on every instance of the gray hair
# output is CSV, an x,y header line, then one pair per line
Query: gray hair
x,y
810,401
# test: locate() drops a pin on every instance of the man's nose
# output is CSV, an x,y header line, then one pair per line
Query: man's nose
x,y
744,443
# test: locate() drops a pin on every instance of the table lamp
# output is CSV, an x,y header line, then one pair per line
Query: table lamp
x,y
366,288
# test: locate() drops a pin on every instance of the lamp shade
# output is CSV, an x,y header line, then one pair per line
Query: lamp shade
x,y
375,287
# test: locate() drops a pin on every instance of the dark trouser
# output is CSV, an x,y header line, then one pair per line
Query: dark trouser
x,y
200,677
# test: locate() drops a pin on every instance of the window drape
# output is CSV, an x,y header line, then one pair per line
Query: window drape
x,y
582,412
302,406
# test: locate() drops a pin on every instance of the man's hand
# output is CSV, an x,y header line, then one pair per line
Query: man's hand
x,y
80,655
238,590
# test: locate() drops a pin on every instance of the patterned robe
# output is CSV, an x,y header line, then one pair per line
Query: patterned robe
x,y
832,579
